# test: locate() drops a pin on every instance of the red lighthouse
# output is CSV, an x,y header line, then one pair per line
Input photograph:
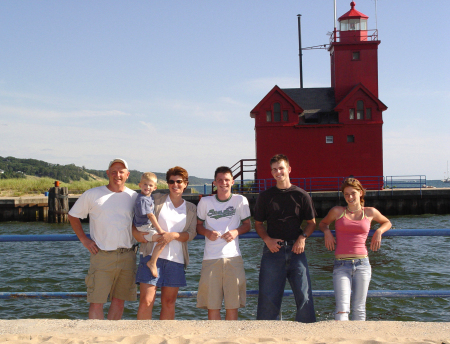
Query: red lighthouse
x,y
334,131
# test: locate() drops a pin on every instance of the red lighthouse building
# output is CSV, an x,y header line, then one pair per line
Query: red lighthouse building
x,y
334,131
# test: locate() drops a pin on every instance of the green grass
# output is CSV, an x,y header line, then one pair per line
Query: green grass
x,y
21,186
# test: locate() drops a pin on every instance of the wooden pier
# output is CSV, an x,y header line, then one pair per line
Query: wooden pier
x,y
389,202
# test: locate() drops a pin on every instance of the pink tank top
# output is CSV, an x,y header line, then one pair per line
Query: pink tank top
x,y
351,235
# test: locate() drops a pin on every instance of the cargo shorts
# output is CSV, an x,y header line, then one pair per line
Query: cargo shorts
x,y
112,274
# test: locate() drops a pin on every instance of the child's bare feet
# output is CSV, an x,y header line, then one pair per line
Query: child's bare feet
x,y
153,268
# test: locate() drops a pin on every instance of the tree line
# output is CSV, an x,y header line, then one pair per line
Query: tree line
x,y
11,167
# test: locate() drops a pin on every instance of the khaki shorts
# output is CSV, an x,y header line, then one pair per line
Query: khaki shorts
x,y
112,273
222,279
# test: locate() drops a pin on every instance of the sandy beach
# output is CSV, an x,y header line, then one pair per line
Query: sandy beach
x,y
195,332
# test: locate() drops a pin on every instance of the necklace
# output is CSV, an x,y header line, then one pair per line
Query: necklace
x,y
354,211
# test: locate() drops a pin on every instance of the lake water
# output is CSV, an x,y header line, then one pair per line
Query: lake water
x,y
416,263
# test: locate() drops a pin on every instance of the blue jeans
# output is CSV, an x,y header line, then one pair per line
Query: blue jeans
x,y
351,280
275,268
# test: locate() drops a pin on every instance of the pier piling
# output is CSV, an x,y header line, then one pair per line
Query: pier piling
x,y
58,204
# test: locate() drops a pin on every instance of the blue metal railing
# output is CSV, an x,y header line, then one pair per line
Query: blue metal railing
x,y
192,294
405,182
250,235
250,293
333,183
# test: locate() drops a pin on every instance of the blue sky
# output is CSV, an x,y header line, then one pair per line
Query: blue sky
x,y
165,83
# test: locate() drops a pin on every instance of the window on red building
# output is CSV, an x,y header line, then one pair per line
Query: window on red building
x,y
351,113
276,112
350,138
368,113
285,116
329,139
355,56
359,109
269,116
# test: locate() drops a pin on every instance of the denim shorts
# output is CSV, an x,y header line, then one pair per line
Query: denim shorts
x,y
170,274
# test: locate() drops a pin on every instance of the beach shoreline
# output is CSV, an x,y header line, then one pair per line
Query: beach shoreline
x,y
203,331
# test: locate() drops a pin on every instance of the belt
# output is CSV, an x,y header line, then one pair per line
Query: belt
x,y
119,250
134,248
351,259
286,242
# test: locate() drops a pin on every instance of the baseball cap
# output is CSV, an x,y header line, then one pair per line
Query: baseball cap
x,y
118,160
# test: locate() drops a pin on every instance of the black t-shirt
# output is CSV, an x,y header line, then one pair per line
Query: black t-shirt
x,y
284,211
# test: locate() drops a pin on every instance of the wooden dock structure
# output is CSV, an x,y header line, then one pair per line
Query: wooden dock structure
x,y
389,202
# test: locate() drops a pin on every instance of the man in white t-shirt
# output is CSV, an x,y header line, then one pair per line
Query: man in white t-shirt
x,y
113,259
221,218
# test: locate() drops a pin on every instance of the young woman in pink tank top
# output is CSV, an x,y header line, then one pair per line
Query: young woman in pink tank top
x,y
352,270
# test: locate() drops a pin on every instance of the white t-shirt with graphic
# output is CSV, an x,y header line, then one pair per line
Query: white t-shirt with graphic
x,y
222,216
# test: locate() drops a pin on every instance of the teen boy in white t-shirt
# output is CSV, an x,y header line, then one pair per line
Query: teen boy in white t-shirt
x,y
221,218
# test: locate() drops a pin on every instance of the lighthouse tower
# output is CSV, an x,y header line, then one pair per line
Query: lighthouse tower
x,y
354,54
329,132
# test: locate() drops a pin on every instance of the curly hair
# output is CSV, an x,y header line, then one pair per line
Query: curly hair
x,y
356,184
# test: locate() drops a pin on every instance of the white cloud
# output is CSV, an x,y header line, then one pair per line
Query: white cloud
x,y
150,127
147,148
41,114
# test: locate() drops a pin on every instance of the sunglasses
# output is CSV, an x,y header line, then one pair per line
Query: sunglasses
x,y
179,181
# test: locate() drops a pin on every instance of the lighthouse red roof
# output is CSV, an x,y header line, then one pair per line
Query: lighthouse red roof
x,y
353,14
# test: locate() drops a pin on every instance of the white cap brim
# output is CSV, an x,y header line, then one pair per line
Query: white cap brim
x,y
119,160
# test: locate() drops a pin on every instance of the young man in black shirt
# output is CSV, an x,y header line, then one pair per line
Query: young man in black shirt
x,y
284,207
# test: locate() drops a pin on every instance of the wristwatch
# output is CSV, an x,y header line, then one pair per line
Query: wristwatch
x,y
305,236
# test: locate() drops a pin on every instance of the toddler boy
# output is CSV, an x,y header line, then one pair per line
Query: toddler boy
x,y
144,216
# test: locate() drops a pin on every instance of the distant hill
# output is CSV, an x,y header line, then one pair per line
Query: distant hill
x,y
11,167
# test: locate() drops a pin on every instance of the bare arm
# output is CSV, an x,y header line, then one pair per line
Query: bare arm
x,y
332,215
299,245
232,234
272,244
167,237
385,225
78,229
211,235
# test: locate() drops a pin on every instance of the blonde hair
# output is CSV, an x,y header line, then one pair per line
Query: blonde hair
x,y
149,176
356,184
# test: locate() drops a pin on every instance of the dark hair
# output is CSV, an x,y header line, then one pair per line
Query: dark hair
x,y
278,158
177,171
356,184
222,169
